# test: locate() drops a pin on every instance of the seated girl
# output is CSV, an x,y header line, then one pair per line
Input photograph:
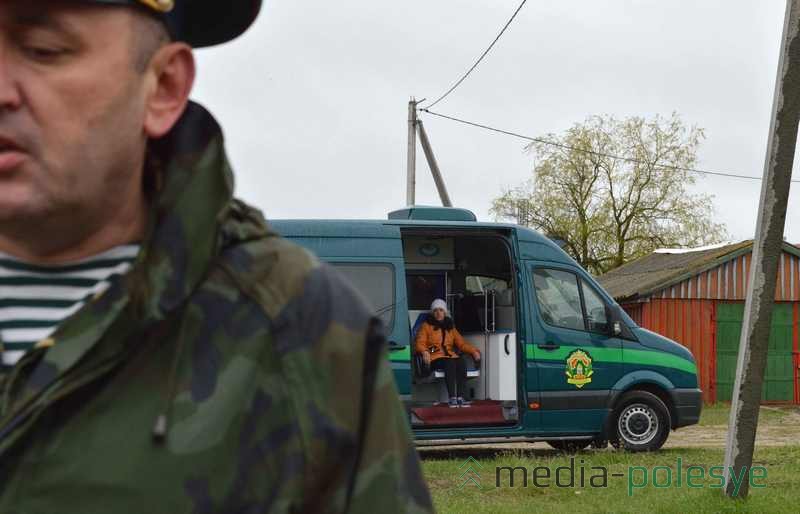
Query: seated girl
x,y
441,347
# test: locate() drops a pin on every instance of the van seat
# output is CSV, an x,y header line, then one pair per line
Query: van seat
x,y
417,324
472,370
471,373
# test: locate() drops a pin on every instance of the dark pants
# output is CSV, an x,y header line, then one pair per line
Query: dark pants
x,y
455,374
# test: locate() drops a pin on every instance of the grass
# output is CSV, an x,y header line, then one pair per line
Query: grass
x,y
719,413
445,475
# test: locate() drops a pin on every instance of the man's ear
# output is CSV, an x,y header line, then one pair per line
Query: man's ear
x,y
172,71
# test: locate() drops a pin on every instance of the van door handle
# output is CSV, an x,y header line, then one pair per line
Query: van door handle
x,y
549,346
505,344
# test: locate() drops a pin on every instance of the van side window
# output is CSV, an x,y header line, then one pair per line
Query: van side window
x,y
596,320
376,283
559,298
479,284
423,288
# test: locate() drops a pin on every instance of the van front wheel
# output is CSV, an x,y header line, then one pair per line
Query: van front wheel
x,y
642,421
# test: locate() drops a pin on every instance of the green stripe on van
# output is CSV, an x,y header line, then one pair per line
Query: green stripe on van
x,y
401,355
563,351
651,358
629,356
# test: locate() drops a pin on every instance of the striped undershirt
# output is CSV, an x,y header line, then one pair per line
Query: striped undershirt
x,y
34,300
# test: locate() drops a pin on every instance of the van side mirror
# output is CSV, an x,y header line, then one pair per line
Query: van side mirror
x,y
612,321
613,324
616,325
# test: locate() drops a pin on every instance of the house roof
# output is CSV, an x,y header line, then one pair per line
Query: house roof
x,y
663,268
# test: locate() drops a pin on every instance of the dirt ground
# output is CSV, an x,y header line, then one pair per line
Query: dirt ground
x,y
773,431
779,432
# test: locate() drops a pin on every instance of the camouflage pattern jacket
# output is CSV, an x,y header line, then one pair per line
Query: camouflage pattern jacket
x,y
229,371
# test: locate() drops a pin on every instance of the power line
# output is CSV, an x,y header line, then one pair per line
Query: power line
x,y
485,52
592,152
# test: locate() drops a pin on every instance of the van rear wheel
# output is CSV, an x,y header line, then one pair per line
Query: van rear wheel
x,y
569,445
642,421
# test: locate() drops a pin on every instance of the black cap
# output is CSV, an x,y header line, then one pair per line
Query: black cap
x,y
200,22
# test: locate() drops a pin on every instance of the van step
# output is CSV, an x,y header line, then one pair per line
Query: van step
x,y
480,412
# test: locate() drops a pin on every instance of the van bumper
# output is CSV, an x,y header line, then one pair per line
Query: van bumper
x,y
688,404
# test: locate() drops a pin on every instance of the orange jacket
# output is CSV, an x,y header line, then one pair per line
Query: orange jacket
x,y
429,339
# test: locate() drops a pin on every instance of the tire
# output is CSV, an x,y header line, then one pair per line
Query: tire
x,y
569,445
641,421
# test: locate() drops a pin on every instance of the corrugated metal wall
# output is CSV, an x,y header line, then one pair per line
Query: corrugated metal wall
x,y
689,322
779,376
796,337
686,312
729,281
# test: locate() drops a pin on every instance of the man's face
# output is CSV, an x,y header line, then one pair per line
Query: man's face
x,y
71,109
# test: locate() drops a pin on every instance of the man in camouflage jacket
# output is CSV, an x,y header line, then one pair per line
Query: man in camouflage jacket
x,y
228,371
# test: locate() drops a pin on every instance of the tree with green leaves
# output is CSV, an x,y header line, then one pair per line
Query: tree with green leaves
x,y
615,189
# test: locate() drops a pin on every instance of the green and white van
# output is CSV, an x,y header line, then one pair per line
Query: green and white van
x,y
562,362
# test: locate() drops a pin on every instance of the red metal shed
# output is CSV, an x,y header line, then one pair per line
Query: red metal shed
x,y
696,297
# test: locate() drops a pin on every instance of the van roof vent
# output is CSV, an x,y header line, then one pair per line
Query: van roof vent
x,y
422,212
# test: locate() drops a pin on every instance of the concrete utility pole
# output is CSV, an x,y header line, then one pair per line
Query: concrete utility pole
x,y
754,341
433,165
415,125
411,163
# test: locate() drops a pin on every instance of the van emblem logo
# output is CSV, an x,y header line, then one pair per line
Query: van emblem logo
x,y
579,368
429,250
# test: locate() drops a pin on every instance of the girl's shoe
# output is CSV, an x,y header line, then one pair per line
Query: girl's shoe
x,y
453,402
462,402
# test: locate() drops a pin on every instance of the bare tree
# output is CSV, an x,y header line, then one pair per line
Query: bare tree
x,y
614,190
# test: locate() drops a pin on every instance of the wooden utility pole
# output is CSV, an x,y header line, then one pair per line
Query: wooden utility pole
x,y
411,163
754,342
433,165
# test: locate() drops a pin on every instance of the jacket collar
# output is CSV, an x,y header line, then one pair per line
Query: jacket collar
x,y
446,323
194,191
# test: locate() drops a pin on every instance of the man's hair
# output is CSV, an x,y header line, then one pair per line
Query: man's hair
x,y
150,34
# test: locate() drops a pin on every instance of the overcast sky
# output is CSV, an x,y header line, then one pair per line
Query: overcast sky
x,y
313,100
